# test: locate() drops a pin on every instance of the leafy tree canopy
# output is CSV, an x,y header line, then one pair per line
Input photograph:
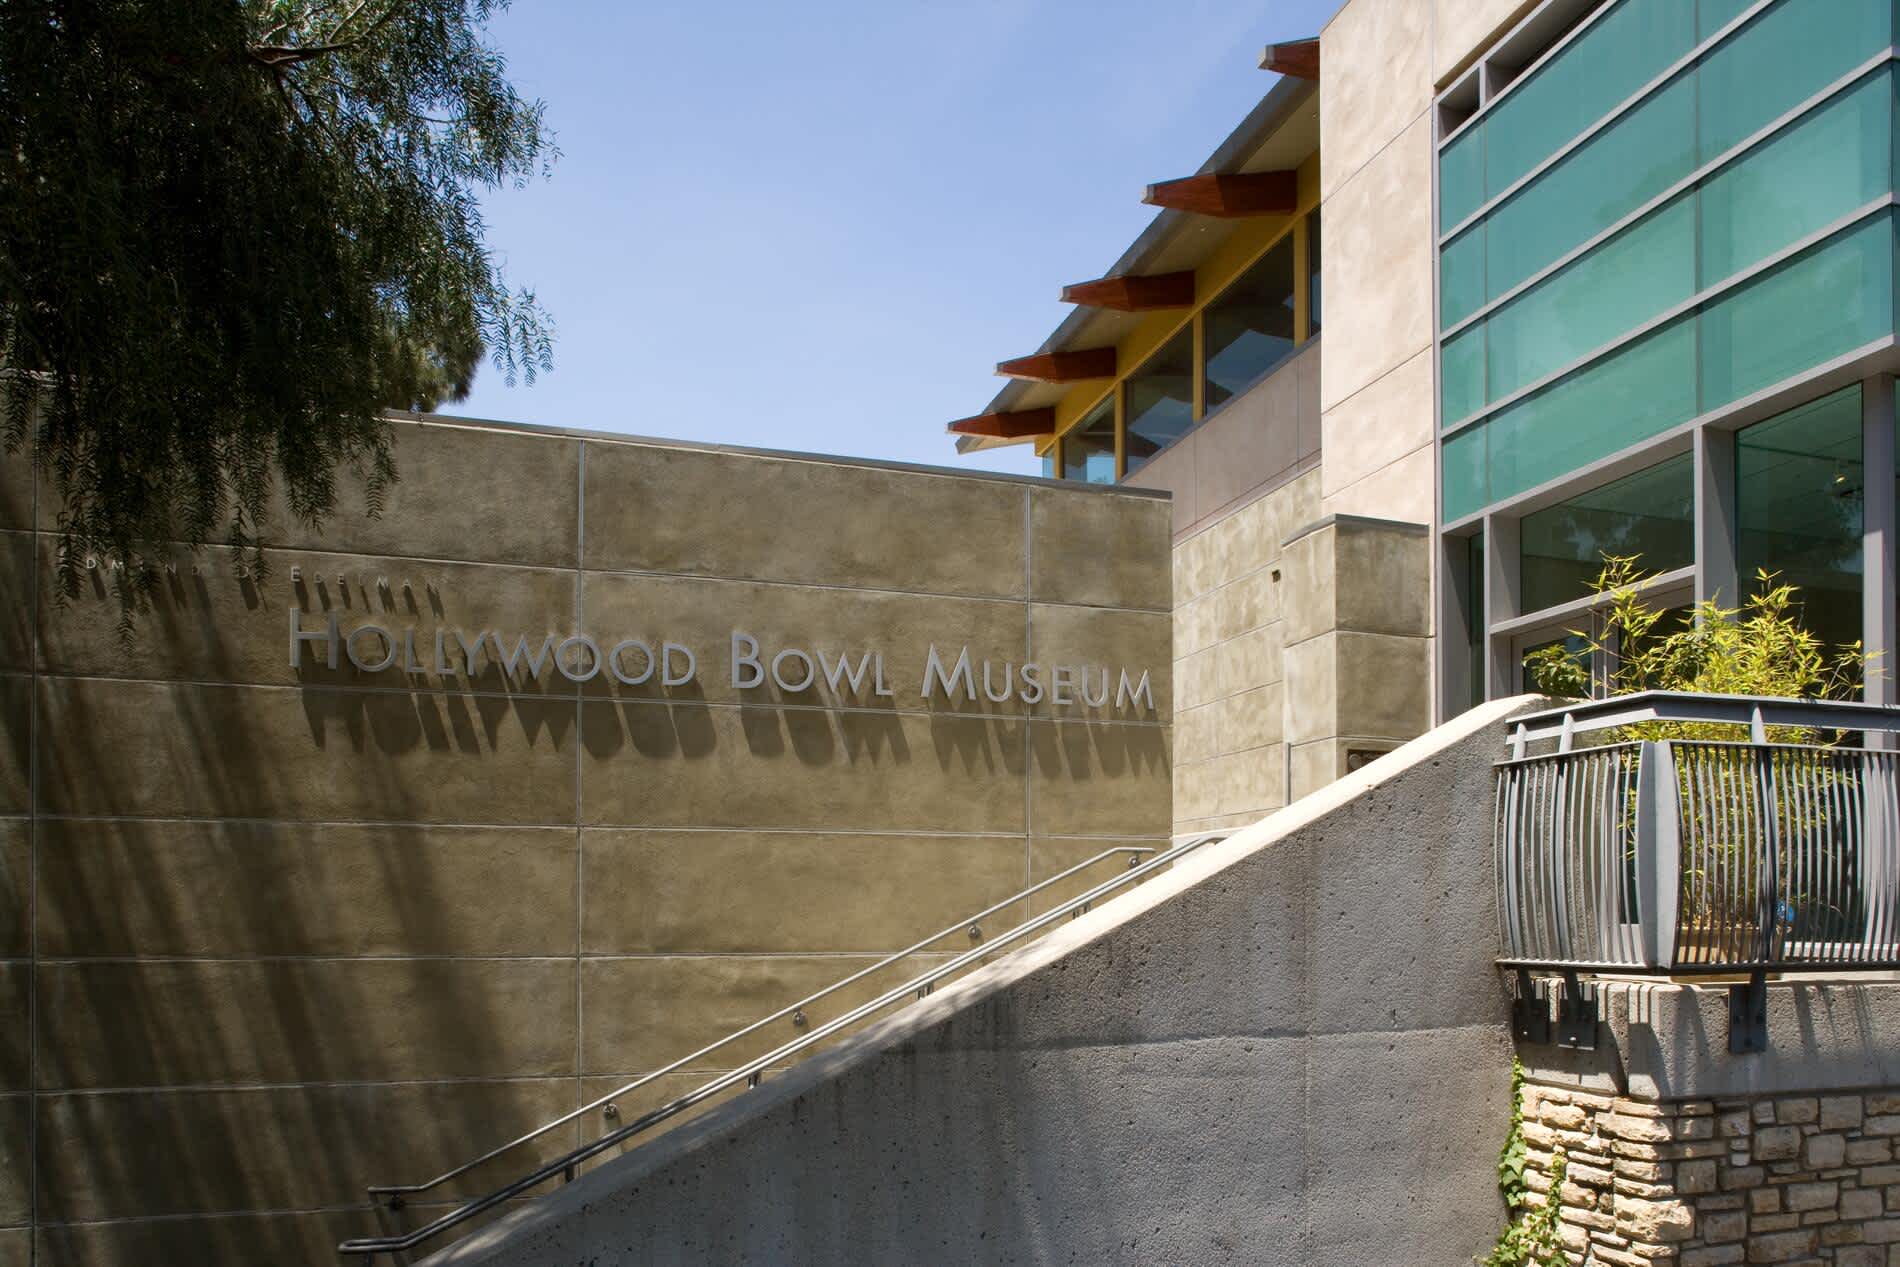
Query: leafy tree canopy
x,y
232,234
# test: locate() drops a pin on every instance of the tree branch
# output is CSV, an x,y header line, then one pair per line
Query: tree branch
x,y
278,56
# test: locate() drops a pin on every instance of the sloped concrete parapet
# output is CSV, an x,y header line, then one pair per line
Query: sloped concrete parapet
x,y
1291,1049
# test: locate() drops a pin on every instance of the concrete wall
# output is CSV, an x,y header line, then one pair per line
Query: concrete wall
x,y
1260,440
272,934
1291,1049
1300,640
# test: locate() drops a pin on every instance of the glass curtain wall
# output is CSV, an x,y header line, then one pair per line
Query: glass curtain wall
x,y
1088,449
1606,278
1249,329
1160,399
1799,490
1650,515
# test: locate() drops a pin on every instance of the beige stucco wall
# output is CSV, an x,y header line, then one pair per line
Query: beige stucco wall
x,y
272,934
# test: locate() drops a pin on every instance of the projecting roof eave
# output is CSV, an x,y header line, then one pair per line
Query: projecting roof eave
x,y
1275,109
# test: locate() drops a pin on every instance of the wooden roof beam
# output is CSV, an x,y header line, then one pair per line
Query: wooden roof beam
x,y
1061,367
1229,195
1024,424
1298,58
1134,294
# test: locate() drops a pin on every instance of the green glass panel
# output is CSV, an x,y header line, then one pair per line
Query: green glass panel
x,y
1461,374
1789,53
1799,181
1617,171
1799,497
1463,479
1631,278
1160,399
1620,52
1461,177
1713,15
1248,328
1828,301
1641,389
1650,514
1461,289
1088,449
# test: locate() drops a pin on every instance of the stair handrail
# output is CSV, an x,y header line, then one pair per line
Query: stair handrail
x,y
396,1195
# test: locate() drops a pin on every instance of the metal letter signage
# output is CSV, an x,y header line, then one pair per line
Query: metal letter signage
x,y
843,673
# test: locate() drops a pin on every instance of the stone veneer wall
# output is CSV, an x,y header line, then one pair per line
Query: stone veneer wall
x,y
269,935
1793,1179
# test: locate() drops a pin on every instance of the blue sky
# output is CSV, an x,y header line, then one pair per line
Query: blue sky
x,y
819,226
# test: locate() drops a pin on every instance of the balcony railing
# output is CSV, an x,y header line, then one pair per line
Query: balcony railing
x,y
1698,835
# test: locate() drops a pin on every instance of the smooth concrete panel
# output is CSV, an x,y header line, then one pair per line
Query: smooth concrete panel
x,y
16,744
788,892
1250,601
1401,490
16,490
278,752
1310,584
646,1013
1174,469
1194,562
277,1148
1251,780
1311,766
1091,640
1197,733
693,765
1669,1041
16,618
1094,861
16,1151
16,888
120,1024
1378,59
1197,678
16,1248
1388,1119
490,494
1377,425
1383,685
1098,779
656,509
301,1238
16,1011
1461,29
1312,689
137,887
216,626
1378,256
1251,660
1193,786
1251,439
1099,550
838,626
1382,578
1196,623
1251,719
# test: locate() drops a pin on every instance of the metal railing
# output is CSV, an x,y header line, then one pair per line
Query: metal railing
x,y
565,1166
1700,855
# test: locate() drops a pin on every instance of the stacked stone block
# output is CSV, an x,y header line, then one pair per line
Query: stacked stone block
x,y
1800,1180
